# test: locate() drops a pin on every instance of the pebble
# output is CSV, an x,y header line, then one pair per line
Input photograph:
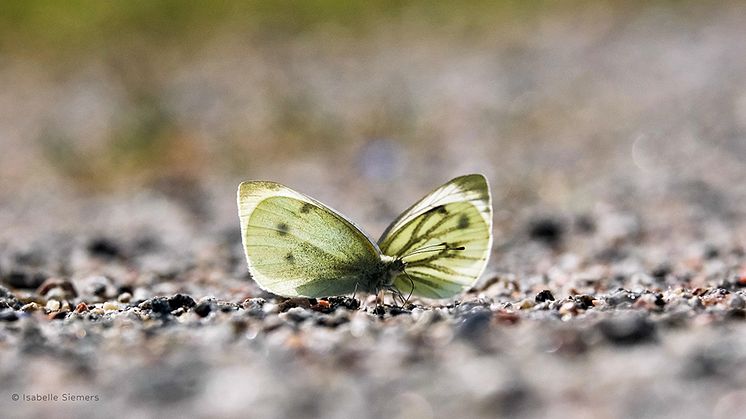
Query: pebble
x,y
547,230
8,315
124,297
31,307
296,314
57,288
203,308
23,279
104,248
110,306
53,305
181,300
627,330
543,296
737,302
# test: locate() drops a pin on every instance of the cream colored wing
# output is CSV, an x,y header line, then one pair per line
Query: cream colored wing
x,y
296,246
445,239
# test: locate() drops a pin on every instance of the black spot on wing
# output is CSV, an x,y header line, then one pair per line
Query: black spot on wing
x,y
306,208
290,258
463,222
441,209
282,229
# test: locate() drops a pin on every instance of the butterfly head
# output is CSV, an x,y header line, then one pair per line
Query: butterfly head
x,y
393,268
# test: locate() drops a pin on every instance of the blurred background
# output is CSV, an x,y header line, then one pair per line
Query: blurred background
x,y
369,105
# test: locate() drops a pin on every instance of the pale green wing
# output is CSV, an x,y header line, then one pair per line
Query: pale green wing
x,y
296,246
445,239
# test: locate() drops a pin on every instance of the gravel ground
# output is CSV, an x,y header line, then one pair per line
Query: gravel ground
x,y
137,325
613,138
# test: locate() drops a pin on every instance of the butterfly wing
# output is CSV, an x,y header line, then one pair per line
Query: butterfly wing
x,y
445,239
296,246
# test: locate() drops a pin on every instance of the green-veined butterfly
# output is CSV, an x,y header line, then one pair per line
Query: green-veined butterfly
x,y
296,246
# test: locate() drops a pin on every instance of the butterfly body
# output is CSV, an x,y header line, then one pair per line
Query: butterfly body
x,y
296,246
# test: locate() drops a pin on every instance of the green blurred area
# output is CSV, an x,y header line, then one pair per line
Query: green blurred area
x,y
49,26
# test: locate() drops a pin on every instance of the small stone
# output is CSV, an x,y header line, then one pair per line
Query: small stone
x,y
543,296
474,327
526,304
124,297
568,308
546,230
296,314
737,302
110,306
98,289
181,300
159,305
53,305
22,279
346,302
81,308
627,330
103,248
270,308
57,288
661,271
30,307
583,302
203,308
8,316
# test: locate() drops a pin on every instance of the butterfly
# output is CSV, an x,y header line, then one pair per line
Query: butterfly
x,y
296,246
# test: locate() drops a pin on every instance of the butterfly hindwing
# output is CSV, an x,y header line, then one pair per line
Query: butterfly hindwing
x,y
296,246
444,239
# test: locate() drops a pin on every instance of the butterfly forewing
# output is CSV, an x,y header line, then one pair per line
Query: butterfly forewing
x,y
444,239
296,246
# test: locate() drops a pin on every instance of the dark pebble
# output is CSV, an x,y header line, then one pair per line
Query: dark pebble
x,y
474,325
546,230
543,296
203,309
8,316
583,302
181,300
159,305
661,271
104,248
8,300
622,296
346,302
98,289
627,330
125,288
24,280
395,311
254,307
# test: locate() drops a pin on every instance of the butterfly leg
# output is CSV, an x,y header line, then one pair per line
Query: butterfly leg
x,y
354,292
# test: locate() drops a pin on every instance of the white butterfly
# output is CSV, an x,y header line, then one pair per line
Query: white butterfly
x,y
297,246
